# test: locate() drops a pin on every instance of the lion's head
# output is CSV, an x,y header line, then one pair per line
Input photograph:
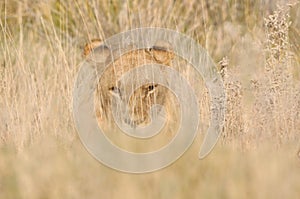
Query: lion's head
x,y
109,85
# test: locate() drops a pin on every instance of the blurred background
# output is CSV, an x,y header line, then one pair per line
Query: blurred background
x,y
256,47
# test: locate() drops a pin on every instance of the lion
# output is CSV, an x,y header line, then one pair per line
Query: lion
x,y
145,96
142,99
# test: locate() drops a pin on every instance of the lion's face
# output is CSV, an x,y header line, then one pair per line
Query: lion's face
x,y
144,97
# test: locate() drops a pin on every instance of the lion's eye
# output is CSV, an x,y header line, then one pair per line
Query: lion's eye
x,y
115,90
152,87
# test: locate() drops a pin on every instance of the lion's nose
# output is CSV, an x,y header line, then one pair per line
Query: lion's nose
x,y
129,122
133,123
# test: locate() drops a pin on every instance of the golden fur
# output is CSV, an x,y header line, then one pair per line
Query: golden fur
x,y
145,96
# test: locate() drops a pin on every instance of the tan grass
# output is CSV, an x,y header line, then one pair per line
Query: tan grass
x,y
41,44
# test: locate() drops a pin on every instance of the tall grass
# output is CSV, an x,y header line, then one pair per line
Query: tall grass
x,y
256,45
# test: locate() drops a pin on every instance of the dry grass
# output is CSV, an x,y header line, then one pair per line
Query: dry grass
x,y
41,46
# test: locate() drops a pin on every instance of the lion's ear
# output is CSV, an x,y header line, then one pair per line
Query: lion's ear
x,y
90,46
163,52
96,51
99,54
